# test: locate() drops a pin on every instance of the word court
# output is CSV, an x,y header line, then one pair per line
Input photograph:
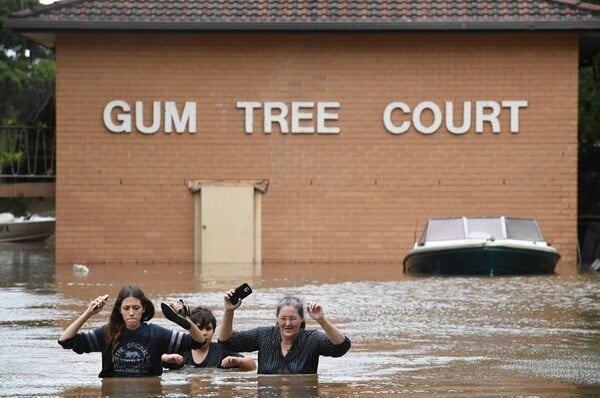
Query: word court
x,y
308,117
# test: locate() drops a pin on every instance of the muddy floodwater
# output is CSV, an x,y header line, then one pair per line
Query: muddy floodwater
x,y
411,337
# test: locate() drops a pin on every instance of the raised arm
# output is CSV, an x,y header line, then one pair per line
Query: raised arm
x,y
94,307
227,323
185,322
196,334
316,312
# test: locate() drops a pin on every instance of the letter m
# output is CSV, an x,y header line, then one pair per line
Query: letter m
x,y
187,118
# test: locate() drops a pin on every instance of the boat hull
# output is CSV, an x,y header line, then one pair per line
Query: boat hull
x,y
26,231
484,260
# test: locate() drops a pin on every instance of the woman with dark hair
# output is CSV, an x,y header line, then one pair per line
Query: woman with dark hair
x,y
287,348
130,346
212,355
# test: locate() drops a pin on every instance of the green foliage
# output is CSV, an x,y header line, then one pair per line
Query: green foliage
x,y
11,157
26,74
11,41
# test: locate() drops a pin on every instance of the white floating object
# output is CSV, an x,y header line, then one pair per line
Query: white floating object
x,y
80,269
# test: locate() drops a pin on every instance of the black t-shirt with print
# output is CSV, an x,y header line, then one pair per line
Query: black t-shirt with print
x,y
139,351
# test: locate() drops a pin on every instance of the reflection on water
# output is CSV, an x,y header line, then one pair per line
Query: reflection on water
x,y
29,264
449,337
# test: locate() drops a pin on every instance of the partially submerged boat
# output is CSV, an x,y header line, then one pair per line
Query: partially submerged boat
x,y
26,228
481,246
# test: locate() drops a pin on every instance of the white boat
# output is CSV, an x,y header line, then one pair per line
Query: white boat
x,y
481,246
33,227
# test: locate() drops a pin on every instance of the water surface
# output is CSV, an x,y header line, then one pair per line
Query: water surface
x,y
413,337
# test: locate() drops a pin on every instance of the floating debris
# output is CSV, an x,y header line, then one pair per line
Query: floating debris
x,y
80,270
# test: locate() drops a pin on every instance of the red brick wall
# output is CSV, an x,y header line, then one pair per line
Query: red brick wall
x,y
353,197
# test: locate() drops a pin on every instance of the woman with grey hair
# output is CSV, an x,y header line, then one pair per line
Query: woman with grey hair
x,y
287,348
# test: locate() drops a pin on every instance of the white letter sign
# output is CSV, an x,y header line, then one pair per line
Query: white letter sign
x,y
387,118
485,112
124,118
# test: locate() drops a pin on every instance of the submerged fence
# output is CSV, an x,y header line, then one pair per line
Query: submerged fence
x,y
27,153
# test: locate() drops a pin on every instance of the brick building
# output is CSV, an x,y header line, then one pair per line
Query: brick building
x,y
220,131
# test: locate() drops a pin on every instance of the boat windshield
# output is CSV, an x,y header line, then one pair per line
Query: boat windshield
x,y
445,229
523,229
484,228
439,229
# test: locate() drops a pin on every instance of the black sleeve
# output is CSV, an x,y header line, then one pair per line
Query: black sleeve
x,y
89,341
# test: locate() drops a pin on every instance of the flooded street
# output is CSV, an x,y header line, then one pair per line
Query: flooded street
x,y
448,337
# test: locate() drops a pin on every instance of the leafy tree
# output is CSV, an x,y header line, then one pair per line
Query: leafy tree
x,y
27,73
